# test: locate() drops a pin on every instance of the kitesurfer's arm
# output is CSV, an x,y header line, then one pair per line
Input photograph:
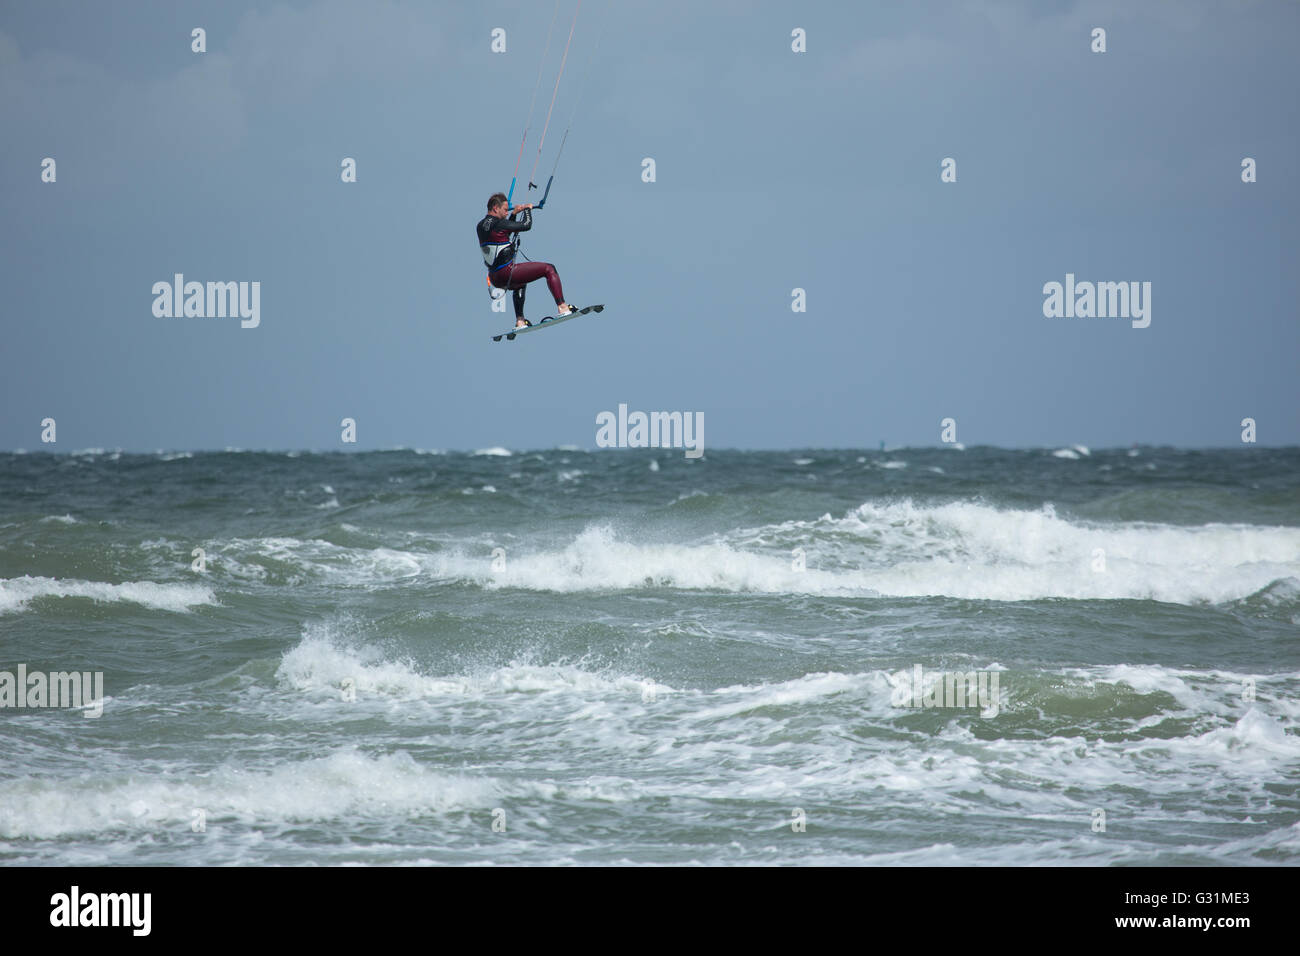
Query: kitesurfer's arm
x,y
514,224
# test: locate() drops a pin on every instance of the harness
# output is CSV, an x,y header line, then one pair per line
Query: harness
x,y
493,269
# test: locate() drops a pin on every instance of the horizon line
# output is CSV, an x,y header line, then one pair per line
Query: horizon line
x,y
489,450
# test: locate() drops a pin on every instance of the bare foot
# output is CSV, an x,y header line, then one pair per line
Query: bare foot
x,y
522,323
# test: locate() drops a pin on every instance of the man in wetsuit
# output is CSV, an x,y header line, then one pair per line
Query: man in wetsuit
x,y
498,239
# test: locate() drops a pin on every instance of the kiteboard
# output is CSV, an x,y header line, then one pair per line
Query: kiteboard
x,y
547,322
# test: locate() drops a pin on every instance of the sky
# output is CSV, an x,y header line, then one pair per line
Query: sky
x,y
775,169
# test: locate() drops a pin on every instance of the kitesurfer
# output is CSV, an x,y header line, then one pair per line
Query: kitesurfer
x,y
498,239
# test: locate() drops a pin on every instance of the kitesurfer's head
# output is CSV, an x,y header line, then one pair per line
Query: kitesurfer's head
x,y
497,204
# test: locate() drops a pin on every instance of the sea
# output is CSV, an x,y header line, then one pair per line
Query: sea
x,y
907,656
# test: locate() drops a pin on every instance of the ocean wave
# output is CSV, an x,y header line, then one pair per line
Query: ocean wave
x,y
17,593
322,663
896,548
344,784
902,549
598,560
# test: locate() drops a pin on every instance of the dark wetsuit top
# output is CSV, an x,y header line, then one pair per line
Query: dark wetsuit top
x,y
495,237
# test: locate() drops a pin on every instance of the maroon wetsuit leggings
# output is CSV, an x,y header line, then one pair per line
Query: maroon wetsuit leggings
x,y
517,275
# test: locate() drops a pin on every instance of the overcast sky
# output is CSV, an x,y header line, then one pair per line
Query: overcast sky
x,y
775,170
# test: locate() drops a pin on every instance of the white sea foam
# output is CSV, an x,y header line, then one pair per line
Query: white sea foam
x,y
316,558
971,550
16,593
902,549
344,784
743,699
496,451
321,663
598,559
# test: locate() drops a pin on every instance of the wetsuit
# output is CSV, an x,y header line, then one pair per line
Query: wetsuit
x,y
498,240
